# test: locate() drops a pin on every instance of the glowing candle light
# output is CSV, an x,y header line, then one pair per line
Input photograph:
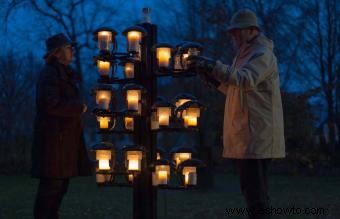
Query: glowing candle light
x,y
129,123
163,56
103,98
129,70
133,97
104,40
134,39
163,115
103,122
190,176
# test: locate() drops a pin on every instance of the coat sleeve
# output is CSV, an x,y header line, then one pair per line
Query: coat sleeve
x,y
53,102
249,75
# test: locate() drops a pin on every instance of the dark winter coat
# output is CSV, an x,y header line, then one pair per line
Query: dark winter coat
x,y
58,149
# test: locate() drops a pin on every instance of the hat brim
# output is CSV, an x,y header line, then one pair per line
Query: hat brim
x,y
242,26
72,43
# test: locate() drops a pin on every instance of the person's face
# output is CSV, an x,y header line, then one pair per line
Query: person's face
x,y
65,54
239,37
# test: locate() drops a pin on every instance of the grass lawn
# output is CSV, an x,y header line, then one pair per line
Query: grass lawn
x,y
85,200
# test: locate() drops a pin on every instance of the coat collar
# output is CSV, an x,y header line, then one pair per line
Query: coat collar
x,y
66,72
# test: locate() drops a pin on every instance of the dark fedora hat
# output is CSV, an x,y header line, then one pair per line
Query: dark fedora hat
x,y
57,41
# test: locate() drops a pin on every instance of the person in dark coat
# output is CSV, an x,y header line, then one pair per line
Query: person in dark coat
x,y
58,150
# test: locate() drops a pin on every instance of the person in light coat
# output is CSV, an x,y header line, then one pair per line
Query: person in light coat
x,y
253,120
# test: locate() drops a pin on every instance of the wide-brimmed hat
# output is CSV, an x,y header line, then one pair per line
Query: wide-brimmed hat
x,y
57,41
243,19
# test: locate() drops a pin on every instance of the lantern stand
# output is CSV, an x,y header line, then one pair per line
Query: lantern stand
x,y
141,51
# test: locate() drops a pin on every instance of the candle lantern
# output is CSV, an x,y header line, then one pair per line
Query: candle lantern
x,y
190,112
163,111
134,38
134,97
104,154
129,68
106,37
129,123
180,99
180,154
161,172
133,156
183,51
105,119
188,170
163,55
103,96
104,68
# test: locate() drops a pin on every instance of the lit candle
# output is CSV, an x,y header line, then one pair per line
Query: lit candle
x,y
129,70
134,38
158,156
192,121
104,164
190,116
103,98
133,97
190,176
134,164
103,67
104,40
162,177
103,156
129,123
163,56
163,115
103,122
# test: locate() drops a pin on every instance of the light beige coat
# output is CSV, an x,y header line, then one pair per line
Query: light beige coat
x,y
253,118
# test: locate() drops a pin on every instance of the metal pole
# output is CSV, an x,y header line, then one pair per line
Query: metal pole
x,y
144,194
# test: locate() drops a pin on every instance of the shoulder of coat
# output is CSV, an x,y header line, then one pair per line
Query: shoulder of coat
x,y
48,71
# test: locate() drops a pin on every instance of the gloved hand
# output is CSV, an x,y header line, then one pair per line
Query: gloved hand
x,y
203,66
200,64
